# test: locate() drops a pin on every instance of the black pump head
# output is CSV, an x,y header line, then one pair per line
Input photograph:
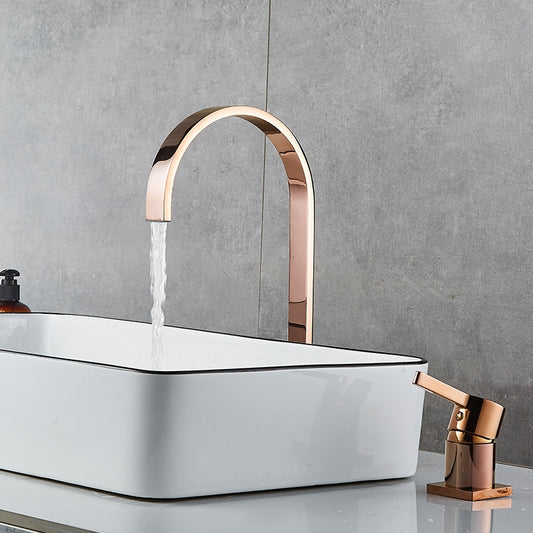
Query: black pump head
x,y
9,288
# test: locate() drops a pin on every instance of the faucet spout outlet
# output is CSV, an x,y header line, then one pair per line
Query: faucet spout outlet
x,y
301,199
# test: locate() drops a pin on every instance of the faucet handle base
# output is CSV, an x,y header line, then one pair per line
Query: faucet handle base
x,y
497,491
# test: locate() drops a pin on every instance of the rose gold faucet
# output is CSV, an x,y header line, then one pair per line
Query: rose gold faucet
x,y
301,198
470,452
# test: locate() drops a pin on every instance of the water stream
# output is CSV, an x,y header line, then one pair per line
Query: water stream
x,y
158,278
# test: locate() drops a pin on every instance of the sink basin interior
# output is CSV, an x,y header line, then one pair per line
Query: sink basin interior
x,y
128,345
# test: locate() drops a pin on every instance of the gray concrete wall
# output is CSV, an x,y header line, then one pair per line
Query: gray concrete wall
x,y
417,120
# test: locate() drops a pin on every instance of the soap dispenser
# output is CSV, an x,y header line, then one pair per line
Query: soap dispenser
x,y
10,293
470,449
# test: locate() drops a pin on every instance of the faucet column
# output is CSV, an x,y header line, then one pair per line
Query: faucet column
x,y
300,302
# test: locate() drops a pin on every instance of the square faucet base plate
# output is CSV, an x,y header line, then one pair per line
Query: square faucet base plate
x,y
498,491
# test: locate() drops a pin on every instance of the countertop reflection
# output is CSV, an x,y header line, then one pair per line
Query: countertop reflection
x,y
384,506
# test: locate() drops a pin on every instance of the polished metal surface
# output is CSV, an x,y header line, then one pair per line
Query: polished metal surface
x,y
470,449
473,419
301,199
468,466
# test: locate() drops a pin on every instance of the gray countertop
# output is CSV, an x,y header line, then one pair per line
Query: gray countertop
x,y
28,504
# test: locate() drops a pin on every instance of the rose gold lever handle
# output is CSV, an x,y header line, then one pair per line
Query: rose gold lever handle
x,y
471,415
441,389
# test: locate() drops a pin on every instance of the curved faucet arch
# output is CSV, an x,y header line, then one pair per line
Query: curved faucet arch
x,y
301,199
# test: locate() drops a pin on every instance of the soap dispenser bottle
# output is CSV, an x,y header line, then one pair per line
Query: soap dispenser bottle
x,y
10,293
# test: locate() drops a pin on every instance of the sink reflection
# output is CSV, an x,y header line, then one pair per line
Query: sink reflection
x,y
370,507
380,506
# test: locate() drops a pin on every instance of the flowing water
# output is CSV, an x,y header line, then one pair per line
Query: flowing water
x,y
158,278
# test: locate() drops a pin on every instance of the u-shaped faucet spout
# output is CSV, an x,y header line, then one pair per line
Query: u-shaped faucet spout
x,y
301,198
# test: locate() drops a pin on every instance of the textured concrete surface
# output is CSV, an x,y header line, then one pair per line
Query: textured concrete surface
x,y
89,92
417,121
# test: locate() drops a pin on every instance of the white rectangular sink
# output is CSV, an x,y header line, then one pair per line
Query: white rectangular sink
x,y
81,404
